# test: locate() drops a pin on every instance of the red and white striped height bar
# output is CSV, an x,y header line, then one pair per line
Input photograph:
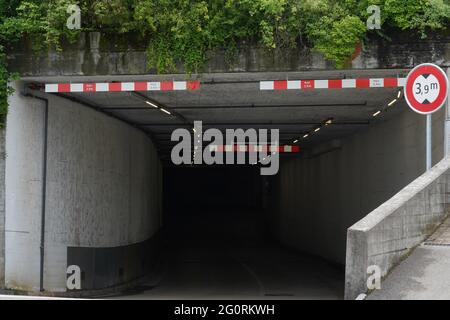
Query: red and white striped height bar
x,y
122,86
332,84
254,148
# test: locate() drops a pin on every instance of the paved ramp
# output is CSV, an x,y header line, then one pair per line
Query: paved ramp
x,y
259,272
424,275
226,254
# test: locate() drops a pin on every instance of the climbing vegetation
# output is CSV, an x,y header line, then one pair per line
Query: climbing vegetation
x,y
185,32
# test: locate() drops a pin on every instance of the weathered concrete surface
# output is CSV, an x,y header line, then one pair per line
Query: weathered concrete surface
x,y
96,54
318,197
2,208
422,276
392,230
442,235
22,225
103,187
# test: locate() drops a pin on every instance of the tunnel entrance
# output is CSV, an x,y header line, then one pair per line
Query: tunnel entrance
x,y
218,207
217,242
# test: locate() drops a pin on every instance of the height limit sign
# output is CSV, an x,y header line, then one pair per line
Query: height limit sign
x,y
426,91
426,88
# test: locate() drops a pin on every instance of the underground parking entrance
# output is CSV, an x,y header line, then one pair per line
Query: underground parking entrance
x,y
218,241
105,195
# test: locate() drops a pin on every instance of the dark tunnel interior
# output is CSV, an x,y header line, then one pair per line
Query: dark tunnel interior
x,y
216,203
217,241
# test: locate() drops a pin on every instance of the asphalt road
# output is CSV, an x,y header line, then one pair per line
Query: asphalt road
x,y
234,260
246,273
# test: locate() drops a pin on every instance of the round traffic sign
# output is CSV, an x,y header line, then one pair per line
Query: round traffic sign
x,y
426,88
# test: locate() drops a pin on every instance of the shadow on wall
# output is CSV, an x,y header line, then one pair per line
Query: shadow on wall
x,y
109,267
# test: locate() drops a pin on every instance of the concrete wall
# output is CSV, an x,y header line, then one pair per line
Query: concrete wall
x,y
103,188
317,198
113,54
389,232
2,208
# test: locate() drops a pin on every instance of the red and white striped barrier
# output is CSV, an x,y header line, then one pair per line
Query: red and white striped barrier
x,y
332,84
122,86
255,148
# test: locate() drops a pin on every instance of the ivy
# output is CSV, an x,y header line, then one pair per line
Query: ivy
x,y
338,42
7,8
184,32
418,14
44,21
3,86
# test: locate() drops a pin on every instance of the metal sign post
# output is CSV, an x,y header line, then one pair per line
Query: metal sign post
x,y
429,141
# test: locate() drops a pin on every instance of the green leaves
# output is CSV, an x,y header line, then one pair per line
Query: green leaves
x,y
179,31
418,15
339,41
3,87
45,21
110,14
5,90
184,31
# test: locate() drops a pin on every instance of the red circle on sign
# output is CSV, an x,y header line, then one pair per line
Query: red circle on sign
x,y
438,102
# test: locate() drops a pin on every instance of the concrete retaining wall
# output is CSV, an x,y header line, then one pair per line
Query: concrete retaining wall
x,y
112,54
389,232
103,189
317,198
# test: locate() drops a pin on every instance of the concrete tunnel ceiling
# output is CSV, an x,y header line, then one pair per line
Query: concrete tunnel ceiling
x,y
236,101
